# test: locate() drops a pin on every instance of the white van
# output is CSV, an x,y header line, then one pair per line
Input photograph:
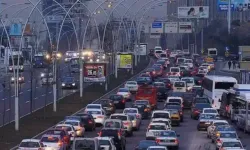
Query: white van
x,y
179,86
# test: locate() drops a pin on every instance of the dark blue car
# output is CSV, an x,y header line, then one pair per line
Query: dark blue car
x,y
69,83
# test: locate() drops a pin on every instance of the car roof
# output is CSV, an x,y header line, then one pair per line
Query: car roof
x,y
157,147
53,135
30,140
160,111
71,120
95,104
160,119
104,138
225,121
93,110
174,97
118,114
114,120
231,140
157,123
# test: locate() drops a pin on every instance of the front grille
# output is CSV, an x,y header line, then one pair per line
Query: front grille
x,y
172,141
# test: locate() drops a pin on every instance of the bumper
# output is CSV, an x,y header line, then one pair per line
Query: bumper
x,y
175,121
203,126
99,121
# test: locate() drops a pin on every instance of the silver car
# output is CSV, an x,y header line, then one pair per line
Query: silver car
x,y
136,121
168,138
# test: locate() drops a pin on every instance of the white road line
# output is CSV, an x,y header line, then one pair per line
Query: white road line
x,y
7,110
27,102
29,90
13,96
50,92
84,107
36,97
37,87
21,93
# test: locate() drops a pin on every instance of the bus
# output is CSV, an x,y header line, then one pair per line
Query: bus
x,y
16,61
214,86
212,52
40,60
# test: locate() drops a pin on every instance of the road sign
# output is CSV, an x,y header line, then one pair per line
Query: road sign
x,y
202,51
226,53
54,19
171,27
156,27
227,48
185,27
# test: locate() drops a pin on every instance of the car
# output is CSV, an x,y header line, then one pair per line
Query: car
x,y
232,144
176,107
200,100
94,106
69,83
87,120
86,143
158,71
107,143
158,84
173,54
157,148
168,139
213,125
207,65
157,65
173,79
74,68
227,135
198,90
166,81
210,111
145,144
144,80
127,122
119,139
162,120
69,128
143,110
98,115
174,99
186,66
47,79
189,81
125,93
175,116
53,142
33,144
222,128
202,72
174,71
151,72
136,121
203,68
113,123
164,62
189,62
132,111
154,129
205,121
20,79
146,103
196,110
80,130
162,93
61,132
187,100
108,105
132,86
118,100
198,79
161,114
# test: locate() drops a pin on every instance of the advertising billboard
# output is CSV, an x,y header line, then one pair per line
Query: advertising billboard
x,y
185,27
16,29
125,61
171,27
142,49
95,72
193,12
236,5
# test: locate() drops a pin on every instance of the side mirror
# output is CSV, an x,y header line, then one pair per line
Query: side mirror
x,y
178,135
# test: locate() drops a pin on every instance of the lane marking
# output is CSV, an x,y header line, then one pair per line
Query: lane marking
x,y
7,110
21,93
29,90
36,97
13,96
27,102
43,95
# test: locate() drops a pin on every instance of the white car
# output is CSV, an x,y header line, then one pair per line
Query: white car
x,y
168,138
162,120
125,93
174,99
173,79
173,54
106,143
189,62
154,129
214,124
127,123
132,86
174,71
203,68
202,72
132,111
206,65
54,142
210,111
160,114
189,81
32,144
226,135
185,67
99,115
69,128
231,144
158,48
79,128
94,106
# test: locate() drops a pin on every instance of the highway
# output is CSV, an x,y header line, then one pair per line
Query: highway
x,y
190,138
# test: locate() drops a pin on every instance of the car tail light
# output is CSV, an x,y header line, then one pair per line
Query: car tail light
x,y
123,101
60,143
126,123
181,113
153,72
90,122
199,81
99,117
157,140
100,133
146,109
137,116
217,134
182,105
176,141
218,141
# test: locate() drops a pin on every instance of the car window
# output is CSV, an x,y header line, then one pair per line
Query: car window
x,y
157,127
112,124
50,139
119,117
29,144
179,84
161,115
84,144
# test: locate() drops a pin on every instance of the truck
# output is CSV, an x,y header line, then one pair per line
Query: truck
x,y
147,92
40,61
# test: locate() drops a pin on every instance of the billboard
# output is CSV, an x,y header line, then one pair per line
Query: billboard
x,y
171,27
193,12
142,49
185,27
236,5
95,72
156,27
16,29
125,61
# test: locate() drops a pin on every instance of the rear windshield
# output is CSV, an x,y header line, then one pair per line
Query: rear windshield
x,y
157,127
123,90
132,111
84,144
210,111
104,142
71,123
94,112
119,117
112,124
50,139
174,100
180,60
163,55
179,84
188,80
231,144
64,128
174,70
158,52
161,115
29,144
93,106
116,97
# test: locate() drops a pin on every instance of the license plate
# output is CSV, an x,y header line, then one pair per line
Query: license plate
x,y
178,88
156,133
207,123
116,102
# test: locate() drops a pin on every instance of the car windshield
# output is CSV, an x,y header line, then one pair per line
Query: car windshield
x,y
174,69
104,142
180,60
116,97
64,128
161,115
157,127
146,144
158,52
150,70
188,61
201,100
131,83
188,80
132,111
68,79
201,106
220,123
132,117
179,84
176,94
163,55
93,107
157,68
207,116
84,144
159,84
173,111
174,100
173,107
210,111
73,123
225,128
231,144
167,134
30,144
230,135
50,139
119,117
112,124
94,112
123,90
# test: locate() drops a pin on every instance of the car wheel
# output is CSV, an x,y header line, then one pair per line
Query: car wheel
x,y
131,133
208,135
212,141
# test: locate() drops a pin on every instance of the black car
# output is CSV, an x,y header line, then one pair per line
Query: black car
x,y
200,100
108,106
177,107
188,99
120,141
86,119
143,110
143,80
118,101
197,109
162,93
167,82
144,144
198,79
69,83
198,90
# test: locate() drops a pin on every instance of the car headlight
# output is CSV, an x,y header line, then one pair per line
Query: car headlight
x,y
21,67
42,74
73,84
19,79
12,79
10,68
63,84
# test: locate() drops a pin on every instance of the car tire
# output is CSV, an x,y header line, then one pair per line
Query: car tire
x,y
208,136
131,133
212,141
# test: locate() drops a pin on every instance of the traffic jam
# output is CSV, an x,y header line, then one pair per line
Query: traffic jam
x,y
176,83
